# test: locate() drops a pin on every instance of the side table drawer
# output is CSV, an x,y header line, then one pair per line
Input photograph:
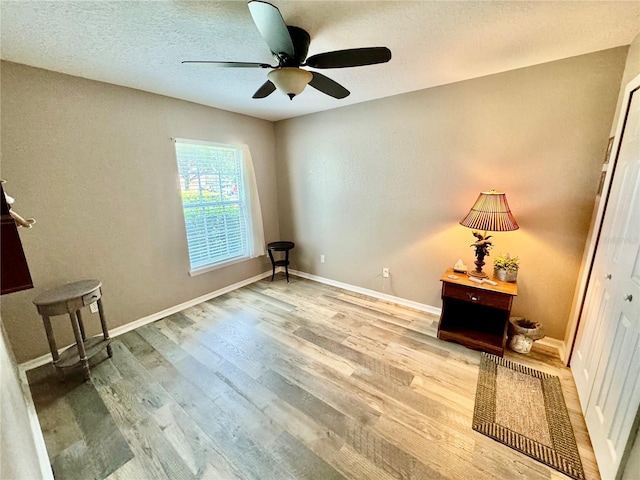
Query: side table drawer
x,y
476,295
91,297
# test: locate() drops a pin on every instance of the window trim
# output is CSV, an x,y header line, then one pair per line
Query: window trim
x,y
242,204
210,268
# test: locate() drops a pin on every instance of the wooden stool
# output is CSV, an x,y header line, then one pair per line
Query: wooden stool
x,y
69,299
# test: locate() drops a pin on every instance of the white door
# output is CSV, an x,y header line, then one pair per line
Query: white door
x,y
606,358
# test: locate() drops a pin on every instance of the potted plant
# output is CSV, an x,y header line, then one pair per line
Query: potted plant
x,y
522,334
505,267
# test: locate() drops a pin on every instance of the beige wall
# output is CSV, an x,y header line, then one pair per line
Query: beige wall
x,y
384,183
94,164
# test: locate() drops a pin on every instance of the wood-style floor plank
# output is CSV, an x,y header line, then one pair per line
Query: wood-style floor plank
x,y
106,444
75,461
50,399
281,380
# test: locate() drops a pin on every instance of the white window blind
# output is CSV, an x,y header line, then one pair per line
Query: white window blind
x,y
213,200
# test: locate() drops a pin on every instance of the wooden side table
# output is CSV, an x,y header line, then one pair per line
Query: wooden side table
x,y
70,299
475,315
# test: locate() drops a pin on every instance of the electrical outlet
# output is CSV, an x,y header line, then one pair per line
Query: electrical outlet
x,y
321,258
93,307
385,272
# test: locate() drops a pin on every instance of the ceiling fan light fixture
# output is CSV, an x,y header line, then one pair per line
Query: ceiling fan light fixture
x,y
290,80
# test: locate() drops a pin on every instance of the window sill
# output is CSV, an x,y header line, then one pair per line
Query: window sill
x,y
211,268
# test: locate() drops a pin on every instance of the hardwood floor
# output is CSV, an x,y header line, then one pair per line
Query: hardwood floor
x,y
284,381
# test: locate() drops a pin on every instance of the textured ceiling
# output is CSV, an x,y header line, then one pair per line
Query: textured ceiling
x,y
140,44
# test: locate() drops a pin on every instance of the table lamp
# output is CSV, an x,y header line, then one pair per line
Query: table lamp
x,y
490,213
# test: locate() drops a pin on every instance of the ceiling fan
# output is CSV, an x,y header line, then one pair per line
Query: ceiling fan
x,y
289,46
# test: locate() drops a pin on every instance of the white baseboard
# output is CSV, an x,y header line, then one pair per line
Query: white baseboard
x,y
554,344
371,293
44,359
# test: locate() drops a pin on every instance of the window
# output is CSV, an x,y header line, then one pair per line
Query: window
x,y
216,204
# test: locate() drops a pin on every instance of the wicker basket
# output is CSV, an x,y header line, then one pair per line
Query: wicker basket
x,y
522,334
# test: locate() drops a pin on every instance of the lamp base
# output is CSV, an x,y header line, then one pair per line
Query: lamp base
x,y
478,274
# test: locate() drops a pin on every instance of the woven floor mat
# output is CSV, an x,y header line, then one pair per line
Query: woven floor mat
x,y
524,409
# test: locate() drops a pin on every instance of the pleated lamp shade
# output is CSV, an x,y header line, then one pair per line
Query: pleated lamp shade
x,y
490,213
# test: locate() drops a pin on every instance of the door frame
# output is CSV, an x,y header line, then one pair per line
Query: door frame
x,y
593,237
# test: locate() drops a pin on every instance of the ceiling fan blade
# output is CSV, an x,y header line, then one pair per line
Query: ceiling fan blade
x,y
354,57
328,86
231,64
265,90
301,40
271,27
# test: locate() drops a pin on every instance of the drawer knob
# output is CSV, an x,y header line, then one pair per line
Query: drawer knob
x,y
473,297
628,298
608,277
